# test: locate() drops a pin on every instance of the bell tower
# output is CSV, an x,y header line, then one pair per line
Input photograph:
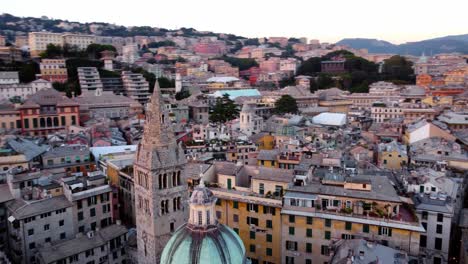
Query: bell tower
x,y
160,188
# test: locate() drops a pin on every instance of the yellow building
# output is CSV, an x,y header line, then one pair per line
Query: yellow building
x,y
438,101
263,141
317,216
253,210
392,155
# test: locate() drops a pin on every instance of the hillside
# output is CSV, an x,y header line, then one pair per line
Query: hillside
x,y
11,25
448,44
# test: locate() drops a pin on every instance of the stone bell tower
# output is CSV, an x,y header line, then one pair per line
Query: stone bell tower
x,y
160,187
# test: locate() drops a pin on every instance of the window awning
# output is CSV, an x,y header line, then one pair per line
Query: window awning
x,y
305,196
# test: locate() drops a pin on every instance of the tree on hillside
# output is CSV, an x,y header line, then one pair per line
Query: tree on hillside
x,y
182,95
224,110
398,68
161,44
253,42
242,63
286,104
310,67
94,50
52,51
325,81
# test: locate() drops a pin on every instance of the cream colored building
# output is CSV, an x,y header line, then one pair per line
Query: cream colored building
x,y
38,41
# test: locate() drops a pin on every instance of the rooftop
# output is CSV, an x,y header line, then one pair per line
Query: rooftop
x,y
80,244
22,209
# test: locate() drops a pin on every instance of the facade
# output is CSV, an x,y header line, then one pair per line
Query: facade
x,y
106,245
250,123
392,156
136,86
23,90
316,216
435,216
67,157
99,103
47,111
89,78
158,182
38,41
35,223
9,77
54,70
333,66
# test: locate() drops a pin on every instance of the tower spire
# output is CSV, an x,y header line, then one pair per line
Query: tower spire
x,y
158,130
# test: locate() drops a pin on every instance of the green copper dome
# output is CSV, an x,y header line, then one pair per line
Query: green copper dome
x,y
216,245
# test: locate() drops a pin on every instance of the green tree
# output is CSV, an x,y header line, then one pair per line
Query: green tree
x,y
94,50
242,63
310,67
286,104
398,68
52,51
182,95
161,44
325,81
224,110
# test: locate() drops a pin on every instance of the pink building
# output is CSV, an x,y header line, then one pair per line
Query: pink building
x,y
270,65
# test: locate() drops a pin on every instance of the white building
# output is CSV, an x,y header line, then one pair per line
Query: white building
x,y
89,78
130,53
9,78
136,86
23,90
250,123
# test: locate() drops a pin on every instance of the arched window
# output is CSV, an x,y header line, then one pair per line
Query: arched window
x,y
178,203
42,122
200,218
56,121
164,181
208,217
174,179
160,181
178,178
174,204
166,205
163,207
49,122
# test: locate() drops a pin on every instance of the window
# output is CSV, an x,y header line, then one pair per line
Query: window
x,y
32,245
92,200
80,216
324,250
79,204
437,260
47,240
365,228
61,222
252,234
236,230
438,243
236,204
62,236
309,247
73,258
81,229
423,241
289,260
269,224
269,238
424,225
328,222
92,212
235,218
439,229
261,188
347,236
385,231
46,227
440,217
308,261
252,248
292,218
269,252
310,220
291,230
309,232
252,207
30,232
252,221
327,235
291,245
348,225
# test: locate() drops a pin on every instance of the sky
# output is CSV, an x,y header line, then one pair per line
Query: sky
x,y
397,21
